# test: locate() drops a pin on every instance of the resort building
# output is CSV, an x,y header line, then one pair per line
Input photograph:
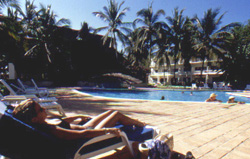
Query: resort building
x,y
165,75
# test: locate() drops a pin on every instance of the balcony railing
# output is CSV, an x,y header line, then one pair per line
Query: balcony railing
x,y
197,72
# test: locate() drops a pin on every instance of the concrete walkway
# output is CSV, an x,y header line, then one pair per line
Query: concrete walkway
x,y
208,130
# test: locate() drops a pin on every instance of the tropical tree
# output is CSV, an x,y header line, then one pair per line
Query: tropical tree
x,y
149,31
209,38
9,23
8,4
44,25
187,44
237,56
41,35
137,56
162,53
85,31
29,18
176,27
10,33
113,14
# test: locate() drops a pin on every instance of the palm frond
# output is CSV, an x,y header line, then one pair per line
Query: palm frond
x,y
48,52
157,15
101,15
30,51
100,29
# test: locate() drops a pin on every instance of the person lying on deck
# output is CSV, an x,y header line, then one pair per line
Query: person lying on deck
x,y
32,113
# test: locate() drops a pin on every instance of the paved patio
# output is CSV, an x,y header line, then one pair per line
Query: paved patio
x,y
208,130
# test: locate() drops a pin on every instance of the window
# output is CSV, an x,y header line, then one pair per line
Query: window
x,y
197,68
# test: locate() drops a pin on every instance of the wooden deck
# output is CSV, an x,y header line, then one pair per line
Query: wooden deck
x,y
208,130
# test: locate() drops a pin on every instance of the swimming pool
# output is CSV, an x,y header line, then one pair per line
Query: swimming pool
x,y
170,95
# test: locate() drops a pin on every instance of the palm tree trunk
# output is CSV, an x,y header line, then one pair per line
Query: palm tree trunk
x,y
174,71
202,67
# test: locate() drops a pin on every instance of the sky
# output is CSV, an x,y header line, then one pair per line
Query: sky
x,y
79,11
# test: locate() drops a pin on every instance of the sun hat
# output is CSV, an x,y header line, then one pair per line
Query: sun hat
x,y
231,97
213,95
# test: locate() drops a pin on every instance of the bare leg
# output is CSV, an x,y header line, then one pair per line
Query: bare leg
x,y
115,117
96,120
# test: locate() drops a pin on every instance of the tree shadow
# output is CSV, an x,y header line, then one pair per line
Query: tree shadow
x,y
82,104
94,106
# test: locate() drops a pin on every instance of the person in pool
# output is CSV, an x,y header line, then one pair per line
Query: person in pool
x,y
212,98
231,100
32,113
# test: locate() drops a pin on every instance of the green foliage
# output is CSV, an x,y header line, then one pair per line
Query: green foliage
x,y
236,60
41,45
113,15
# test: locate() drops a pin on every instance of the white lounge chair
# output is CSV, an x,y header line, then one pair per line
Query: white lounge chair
x,y
13,100
46,102
221,86
42,92
247,87
206,86
215,85
108,147
194,86
14,93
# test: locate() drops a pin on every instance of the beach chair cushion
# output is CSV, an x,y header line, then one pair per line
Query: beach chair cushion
x,y
139,134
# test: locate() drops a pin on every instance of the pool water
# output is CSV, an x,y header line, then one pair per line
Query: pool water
x,y
170,95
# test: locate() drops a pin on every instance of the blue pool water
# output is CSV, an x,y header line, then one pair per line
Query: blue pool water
x,y
170,95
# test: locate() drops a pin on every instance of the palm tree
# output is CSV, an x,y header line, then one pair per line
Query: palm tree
x,y
113,15
10,22
41,30
176,31
11,34
162,53
209,38
29,18
237,56
187,44
84,31
43,26
136,54
8,3
150,29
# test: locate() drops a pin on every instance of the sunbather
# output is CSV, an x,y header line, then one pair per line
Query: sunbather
x,y
31,112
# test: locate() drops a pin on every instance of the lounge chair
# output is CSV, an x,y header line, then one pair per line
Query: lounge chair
x,y
215,85
12,92
46,102
221,86
13,100
206,86
247,87
20,140
15,93
41,92
194,86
